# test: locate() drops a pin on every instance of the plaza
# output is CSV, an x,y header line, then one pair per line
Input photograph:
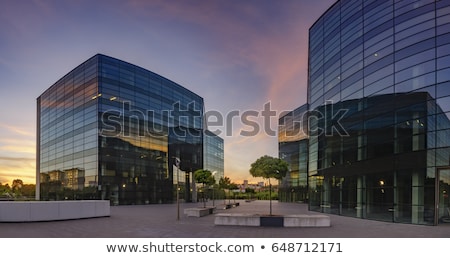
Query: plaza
x,y
160,221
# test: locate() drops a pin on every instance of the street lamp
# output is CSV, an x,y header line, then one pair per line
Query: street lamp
x,y
212,174
177,164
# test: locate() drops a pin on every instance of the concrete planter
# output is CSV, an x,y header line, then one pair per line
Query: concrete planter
x,y
199,212
255,220
237,219
301,220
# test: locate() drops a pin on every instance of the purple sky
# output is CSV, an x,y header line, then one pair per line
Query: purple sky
x,y
238,55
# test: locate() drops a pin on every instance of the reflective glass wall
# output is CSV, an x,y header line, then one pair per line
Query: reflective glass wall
x,y
135,124
378,91
67,140
213,155
293,148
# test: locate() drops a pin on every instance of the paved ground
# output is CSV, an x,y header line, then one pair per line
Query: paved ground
x,y
159,221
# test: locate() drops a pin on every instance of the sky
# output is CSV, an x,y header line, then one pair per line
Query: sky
x,y
239,55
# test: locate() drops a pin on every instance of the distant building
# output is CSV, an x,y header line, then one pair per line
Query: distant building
x,y
246,185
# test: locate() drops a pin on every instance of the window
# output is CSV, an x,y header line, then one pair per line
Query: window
x,y
443,75
415,38
443,62
415,59
415,71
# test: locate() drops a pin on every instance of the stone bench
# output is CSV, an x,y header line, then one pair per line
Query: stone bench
x,y
238,219
199,212
316,220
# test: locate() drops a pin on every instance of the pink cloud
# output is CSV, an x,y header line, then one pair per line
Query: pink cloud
x,y
276,56
276,51
18,130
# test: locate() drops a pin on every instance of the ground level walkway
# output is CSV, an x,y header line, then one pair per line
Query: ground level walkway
x,y
160,221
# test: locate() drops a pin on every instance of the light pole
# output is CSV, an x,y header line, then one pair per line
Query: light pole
x,y
177,164
270,197
212,174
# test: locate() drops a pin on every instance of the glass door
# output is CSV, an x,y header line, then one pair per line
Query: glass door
x,y
443,210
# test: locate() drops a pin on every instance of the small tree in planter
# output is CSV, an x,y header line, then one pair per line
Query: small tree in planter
x,y
269,167
206,178
224,183
233,187
250,192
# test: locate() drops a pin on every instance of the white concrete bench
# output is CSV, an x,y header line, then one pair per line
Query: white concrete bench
x,y
22,211
239,219
315,220
199,212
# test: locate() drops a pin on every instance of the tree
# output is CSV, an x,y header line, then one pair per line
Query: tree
x,y
17,185
204,177
224,183
250,192
28,190
232,187
269,167
4,189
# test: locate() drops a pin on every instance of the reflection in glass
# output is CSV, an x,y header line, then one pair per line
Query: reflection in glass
x,y
394,90
115,136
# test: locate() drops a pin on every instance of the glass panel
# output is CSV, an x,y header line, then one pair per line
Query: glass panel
x,y
444,200
380,197
443,62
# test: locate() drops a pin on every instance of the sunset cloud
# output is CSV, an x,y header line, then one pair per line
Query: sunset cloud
x,y
18,130
12,168
17,154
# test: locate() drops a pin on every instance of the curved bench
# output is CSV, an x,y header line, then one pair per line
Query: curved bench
x,y
22,211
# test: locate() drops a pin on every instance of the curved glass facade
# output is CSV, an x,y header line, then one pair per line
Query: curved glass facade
x,y
213,154
293,148
379,95
112,130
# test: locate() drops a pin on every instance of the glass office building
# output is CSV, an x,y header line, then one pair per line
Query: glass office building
x,y
112,130
379,96
213,154
293,148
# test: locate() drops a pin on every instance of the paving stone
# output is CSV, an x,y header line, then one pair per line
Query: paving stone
x,y
160,221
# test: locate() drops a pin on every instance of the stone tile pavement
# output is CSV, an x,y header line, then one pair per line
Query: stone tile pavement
x,y
160,221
